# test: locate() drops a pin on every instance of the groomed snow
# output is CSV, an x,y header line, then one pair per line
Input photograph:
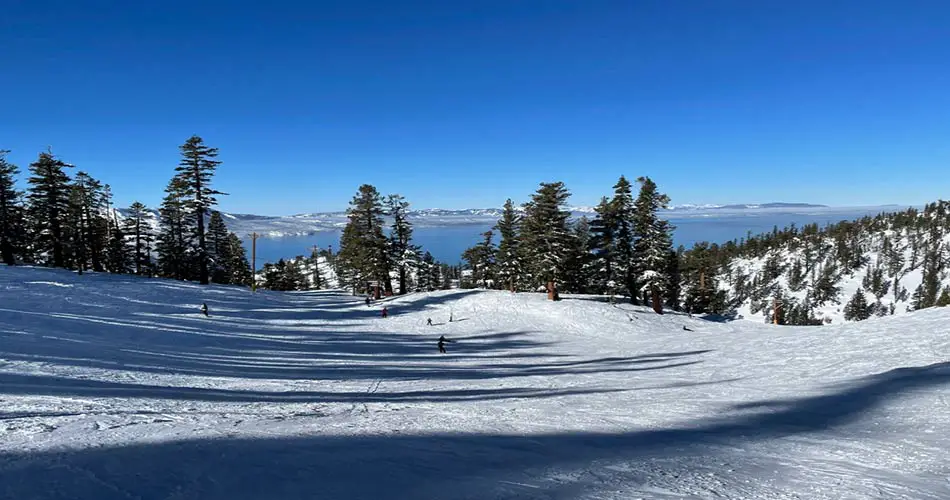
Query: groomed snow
x,y
117,387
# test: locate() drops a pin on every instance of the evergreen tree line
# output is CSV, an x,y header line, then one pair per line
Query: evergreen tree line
x,y
377,254
626,250
71,223
789,274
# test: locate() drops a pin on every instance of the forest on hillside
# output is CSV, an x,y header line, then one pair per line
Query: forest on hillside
x,y
812,275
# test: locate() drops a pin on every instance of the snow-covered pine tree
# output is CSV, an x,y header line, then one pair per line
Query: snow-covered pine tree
x,y
138,228
48,208
653,243
12,222
174,245
603,247
510,268
546,236
196,170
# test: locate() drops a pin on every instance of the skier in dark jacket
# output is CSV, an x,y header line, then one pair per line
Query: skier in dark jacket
x,y
442,341
385,312
204,309
429,321
367,301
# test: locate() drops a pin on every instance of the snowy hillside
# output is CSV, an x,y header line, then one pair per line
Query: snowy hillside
x,y
114,387
897,263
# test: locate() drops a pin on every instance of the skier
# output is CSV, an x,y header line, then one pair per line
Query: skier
x,y
367,301
442,341
385,312
687,329
429,321
204,309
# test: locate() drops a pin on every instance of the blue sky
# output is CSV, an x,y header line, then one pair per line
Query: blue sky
x,y
465,103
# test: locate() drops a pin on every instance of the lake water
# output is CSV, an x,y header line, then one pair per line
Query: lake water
x,y
447,243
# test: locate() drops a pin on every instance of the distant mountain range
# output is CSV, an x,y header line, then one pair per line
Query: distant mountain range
x,y
309,223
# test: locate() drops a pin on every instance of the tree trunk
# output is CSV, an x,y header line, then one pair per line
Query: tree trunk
x,y
657,301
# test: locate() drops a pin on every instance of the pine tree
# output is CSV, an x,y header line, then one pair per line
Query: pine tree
x,y
578,276
603,246
928,292
796,276
238,268
364,250
174,246
49,207
510,269
429,279
88,225
12,223
196,170
673,291
699,269
944,299
118,254
404,255
546,236
653,244
857,308
219,251
625,213
481,261
140,231
825,288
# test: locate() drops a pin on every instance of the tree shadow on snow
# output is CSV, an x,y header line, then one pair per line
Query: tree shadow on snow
x,y
370,466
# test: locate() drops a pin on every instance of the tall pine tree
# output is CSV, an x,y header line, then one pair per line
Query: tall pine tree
x,y
49,207
364,250
174,246
136,225
509,264
196,169
546,236
653,244
218,249
12,223
404,255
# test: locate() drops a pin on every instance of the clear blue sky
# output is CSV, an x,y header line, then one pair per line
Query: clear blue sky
x,y
461,103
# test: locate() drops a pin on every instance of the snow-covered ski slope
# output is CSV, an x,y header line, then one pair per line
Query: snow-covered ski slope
x,y
118,388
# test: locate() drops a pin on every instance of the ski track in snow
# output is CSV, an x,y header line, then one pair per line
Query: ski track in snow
x,y
117,387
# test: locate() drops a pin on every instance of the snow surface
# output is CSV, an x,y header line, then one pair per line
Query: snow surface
x,y
115,387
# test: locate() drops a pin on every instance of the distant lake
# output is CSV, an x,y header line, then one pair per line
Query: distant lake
x,y
446,243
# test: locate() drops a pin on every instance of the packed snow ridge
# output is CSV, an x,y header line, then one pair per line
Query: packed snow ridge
x,y
117,387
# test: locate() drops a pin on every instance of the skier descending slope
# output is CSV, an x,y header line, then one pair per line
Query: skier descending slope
x,y
442,341
204,309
